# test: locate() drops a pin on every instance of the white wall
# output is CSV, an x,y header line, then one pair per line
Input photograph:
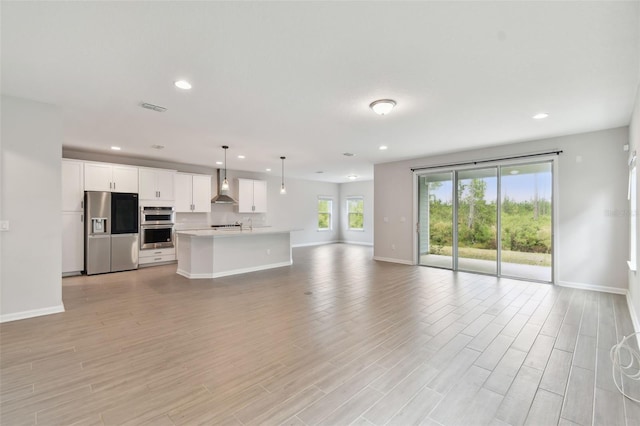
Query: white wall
x,y
592,201
31,256
357,189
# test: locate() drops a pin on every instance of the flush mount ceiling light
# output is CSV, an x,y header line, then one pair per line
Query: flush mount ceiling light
x,y
219,163
514,172
242,157
116,148
540,115
283,190
382,148
382,106
352,177
183,84
225,182
268,170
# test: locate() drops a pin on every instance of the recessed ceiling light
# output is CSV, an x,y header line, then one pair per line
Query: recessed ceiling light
x,y
319,171
219,163
540,115
157,146
514,172
115,148
242,157
382,148
183,84
348,154
382,106
268,170
352,177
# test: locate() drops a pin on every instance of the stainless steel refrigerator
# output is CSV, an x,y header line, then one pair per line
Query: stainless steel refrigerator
x,y
111,232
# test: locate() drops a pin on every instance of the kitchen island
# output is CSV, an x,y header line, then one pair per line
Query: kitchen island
x,y
209,253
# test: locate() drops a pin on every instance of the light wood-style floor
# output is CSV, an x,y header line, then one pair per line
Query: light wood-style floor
x,y
335,339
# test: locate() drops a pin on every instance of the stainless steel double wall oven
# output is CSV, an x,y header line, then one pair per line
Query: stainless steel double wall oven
x,y
156,227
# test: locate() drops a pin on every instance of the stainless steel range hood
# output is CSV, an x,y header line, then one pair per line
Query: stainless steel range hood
x,y
223,197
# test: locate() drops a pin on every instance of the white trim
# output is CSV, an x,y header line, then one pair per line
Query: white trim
x,y
392,260
358,243
233,271
316,243
593,287
633,314
32,313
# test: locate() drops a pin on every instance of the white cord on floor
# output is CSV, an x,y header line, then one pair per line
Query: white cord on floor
x,y
630,369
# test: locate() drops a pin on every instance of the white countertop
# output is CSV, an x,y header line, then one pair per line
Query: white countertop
x,y
233,232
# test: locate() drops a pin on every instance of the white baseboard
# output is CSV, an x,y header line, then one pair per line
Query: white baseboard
x,y
592,287
357,243
633,314
392,260
32,313
317,243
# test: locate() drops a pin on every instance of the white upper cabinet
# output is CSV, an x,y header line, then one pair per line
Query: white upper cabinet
x,y
201,193
110,177
157,184
72,185
252,196
193,193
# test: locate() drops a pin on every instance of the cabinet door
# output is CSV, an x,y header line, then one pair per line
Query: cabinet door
x,y
165,185
125,179
260,196
72,185
245,196
97,177
72,242
202,193
183,195
147,184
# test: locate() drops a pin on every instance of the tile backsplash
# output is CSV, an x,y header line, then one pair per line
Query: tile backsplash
x,y
220,215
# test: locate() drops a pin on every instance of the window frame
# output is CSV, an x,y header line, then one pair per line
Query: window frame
x,y
632,197
330,213
360,199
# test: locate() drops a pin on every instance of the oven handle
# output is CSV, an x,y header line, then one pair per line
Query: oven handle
x,y
168,225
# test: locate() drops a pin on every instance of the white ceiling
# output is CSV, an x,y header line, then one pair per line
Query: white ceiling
x,y
296,78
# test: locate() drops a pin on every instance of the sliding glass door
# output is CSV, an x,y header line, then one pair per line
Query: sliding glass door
x,y
494,220
477,220
526,224
435,227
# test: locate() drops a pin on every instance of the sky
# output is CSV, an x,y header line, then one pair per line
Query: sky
x,y
518,187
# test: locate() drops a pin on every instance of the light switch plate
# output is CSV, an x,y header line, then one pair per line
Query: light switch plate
x,y
4,225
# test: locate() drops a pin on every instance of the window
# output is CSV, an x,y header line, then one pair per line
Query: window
x,y
355,212
632,216
325,207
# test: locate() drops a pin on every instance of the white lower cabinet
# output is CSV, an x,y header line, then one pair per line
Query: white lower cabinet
x,y
149,257
72,242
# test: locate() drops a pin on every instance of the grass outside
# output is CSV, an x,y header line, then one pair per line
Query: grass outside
x,y
508,256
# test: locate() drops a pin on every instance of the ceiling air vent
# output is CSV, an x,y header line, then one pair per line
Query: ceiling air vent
x,y
153,107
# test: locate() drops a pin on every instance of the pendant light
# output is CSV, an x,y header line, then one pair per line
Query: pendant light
x,y
283,190
225,182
